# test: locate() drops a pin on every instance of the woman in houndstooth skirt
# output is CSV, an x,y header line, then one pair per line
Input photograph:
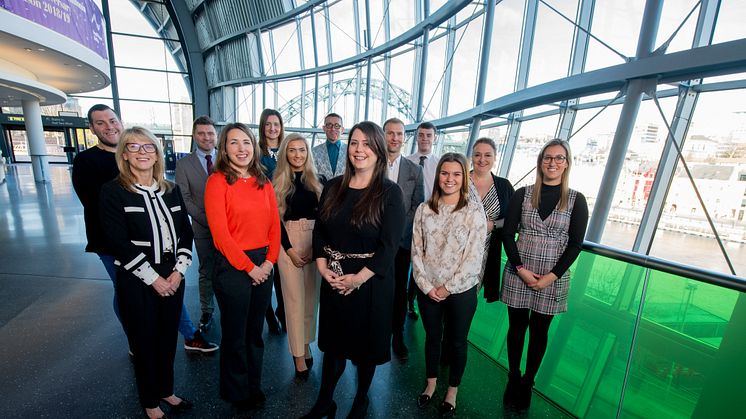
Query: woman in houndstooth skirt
x,y
550,219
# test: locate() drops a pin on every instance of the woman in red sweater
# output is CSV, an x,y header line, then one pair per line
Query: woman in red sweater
x,y
245,226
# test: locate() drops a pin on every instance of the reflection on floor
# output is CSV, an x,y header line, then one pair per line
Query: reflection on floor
x,y
63,353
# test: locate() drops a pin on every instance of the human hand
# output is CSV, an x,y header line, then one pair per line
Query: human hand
x,y
528,277
175,280
433,294
442,292
348,283
267,267
329,275
295,258
258,275
544,281
162,287
490,225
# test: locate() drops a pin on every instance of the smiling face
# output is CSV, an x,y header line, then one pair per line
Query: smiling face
x,y
360,153
107,127
240,149
450,179
483,158
553,165
204,136
272,128
141,154
394,132
297,154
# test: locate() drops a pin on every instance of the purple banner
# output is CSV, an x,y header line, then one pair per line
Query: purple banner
x,y
79,20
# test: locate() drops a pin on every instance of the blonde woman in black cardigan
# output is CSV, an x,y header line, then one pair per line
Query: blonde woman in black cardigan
x,y
145,220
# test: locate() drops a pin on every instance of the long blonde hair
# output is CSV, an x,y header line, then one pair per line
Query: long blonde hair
x,y
565,181
284,178
126,178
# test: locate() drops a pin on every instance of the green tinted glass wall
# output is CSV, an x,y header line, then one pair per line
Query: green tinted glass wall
x,y
636,342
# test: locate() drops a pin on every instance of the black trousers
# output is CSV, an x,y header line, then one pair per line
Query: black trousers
x,y
242,308
455,314
401,276
151,323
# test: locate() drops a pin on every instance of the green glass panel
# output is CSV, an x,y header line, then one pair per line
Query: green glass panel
x,y
687,359
683,326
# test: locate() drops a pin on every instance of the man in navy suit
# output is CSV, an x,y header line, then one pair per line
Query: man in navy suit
x,y
191,176
408,176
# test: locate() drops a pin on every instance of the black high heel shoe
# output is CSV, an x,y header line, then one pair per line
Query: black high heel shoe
x,y
330,411
182,406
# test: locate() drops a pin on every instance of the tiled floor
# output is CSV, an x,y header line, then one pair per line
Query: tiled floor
x,y
63,353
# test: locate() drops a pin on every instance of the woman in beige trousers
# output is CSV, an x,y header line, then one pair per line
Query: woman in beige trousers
x,y
298,188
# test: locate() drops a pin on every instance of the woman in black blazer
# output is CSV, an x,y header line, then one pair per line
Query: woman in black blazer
x,y
494,193
145,220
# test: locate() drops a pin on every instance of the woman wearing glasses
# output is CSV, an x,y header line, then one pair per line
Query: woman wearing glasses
x,y
550,219
148,227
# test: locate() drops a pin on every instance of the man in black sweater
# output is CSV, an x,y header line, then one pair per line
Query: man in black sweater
x,y
94,167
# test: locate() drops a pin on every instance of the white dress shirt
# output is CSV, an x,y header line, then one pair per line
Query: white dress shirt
x,y
428,170
392,168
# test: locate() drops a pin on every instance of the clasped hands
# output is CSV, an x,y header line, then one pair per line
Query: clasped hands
x,y
298,260
260,273
166,287
438,294
535,281
343,284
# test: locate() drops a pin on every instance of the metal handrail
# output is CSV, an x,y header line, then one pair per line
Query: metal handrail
x,y
719,279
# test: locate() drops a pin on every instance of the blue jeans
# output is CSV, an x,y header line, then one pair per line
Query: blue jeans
x,y
186,327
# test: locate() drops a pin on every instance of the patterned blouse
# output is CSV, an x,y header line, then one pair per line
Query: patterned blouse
x,y
448,247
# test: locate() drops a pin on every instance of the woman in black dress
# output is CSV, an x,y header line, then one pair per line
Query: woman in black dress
x,y
355,239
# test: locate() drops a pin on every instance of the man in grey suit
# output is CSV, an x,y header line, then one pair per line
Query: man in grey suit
x,y
191,176
408,176
330,157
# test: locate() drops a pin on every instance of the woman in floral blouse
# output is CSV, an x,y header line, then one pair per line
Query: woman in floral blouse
x,y
447,251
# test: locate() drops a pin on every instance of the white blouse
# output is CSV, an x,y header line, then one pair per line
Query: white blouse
x,y
448,247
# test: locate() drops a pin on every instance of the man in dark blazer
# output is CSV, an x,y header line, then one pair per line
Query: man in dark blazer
x,y
408,176
191,176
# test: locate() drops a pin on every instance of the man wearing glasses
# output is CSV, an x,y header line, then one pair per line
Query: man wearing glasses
x,y
94,167
329,157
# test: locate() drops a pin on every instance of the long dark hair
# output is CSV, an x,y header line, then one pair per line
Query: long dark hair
x,y
263,120
223,163
369,207
463,198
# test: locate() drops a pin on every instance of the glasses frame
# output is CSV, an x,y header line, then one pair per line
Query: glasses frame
x,y
333,126
136,147
559,159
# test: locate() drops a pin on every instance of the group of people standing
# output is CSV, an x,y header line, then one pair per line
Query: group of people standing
x,y
336,229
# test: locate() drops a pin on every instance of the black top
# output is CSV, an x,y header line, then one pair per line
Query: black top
x,y
91,169
132,226
358,326
301,204
492,269
550,196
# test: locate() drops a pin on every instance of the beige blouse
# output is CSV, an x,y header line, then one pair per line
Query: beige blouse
x,y
448,248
